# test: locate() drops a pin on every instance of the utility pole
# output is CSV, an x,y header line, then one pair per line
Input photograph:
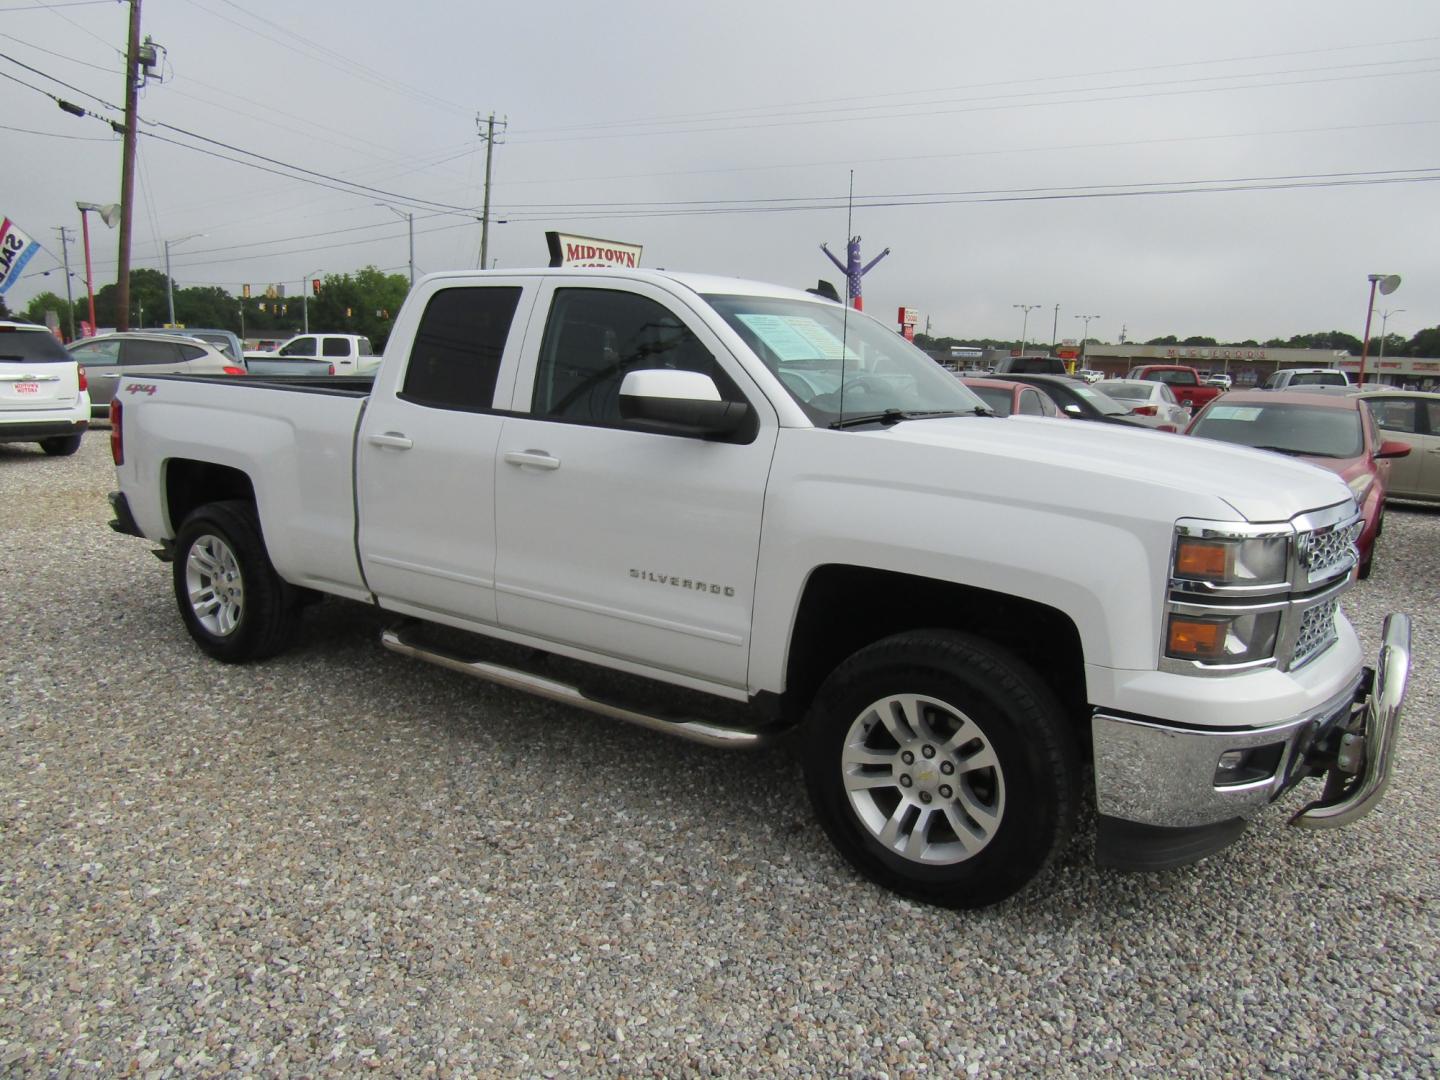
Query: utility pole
x,y
127,169
1055,328
488,135
69,300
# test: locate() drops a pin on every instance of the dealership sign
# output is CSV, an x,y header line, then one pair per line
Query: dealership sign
x,y
568,250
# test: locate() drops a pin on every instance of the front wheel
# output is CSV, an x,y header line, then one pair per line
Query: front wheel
x,y
941,768
231,600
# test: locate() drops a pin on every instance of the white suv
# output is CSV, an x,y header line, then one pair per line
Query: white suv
x,y
1289,378
44,397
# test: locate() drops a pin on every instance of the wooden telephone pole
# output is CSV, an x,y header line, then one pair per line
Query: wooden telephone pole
x,y
133,78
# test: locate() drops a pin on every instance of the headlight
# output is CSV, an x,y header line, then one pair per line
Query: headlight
x,y
1222,639
1251,560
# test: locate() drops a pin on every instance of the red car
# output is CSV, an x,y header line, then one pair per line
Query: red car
x,y
1334,431
1008,398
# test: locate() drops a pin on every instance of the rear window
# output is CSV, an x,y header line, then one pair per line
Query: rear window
x,y
455,359
1173,378
1125,390
335,346
1319,378
1002,401
32,345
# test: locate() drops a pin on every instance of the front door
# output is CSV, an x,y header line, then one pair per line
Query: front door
x,y
623,542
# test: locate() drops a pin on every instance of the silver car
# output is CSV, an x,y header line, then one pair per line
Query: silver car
x,y
135,352
1152,403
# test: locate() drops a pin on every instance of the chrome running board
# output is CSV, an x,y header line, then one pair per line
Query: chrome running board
x,y
698,731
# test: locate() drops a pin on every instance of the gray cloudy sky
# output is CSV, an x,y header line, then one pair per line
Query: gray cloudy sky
x,y
649,122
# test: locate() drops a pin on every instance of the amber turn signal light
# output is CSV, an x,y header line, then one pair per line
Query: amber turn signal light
x,y
1195,639
1202,559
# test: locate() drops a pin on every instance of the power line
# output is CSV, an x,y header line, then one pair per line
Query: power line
x,y
987,105
62,56
739,113
54,135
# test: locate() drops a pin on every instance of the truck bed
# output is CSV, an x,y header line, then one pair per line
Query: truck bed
x,y
292,438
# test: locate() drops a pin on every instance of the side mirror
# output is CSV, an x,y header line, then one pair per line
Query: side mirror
x,y
680,403
1392,448
1073,410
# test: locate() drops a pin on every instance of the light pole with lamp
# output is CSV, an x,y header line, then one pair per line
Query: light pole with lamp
x,y
1085,329
1385,318
305,299
1387,284
169,283
1024,323
410,218
108,214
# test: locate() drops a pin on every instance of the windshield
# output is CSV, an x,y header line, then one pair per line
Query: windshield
x,y
32,345
810,345
1314,431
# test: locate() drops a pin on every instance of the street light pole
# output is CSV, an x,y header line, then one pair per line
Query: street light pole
x,y
1387,284
1055,328
1085,331
410,218
169,283
1025,323
1385,318
107,214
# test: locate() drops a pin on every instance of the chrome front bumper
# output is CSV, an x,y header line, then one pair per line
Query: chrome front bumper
x,y
1155,775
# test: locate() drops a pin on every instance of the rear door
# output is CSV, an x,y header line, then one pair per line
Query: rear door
x,y
36,373
425,457
337,350
1415,421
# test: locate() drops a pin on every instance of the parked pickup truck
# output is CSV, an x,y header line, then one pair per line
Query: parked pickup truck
x,y
343,354
728,510
257,363
1184,382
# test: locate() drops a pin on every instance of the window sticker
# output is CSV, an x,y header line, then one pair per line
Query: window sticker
x,y
796,337
1234,412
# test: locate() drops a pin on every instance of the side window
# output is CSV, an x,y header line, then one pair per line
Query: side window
x,y
456,356
192,352
1168,395
1048,406
147,353
1030,403
98,352
336,346
364,346
594,337
1432,413
304,346
1394,414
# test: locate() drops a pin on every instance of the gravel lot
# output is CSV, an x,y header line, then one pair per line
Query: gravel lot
x,y
341,859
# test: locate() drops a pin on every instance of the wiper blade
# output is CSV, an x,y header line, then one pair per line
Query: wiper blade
x,y
1285,450
894,416
888,417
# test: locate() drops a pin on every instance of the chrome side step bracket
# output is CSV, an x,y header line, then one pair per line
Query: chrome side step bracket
x,y
516,678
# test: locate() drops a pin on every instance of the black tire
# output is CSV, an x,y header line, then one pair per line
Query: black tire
x,y
61,445
231,600
1016,814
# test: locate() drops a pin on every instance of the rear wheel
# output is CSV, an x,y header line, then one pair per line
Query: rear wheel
x,y
941,768
61,445
231,600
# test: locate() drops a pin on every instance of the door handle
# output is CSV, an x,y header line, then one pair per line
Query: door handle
x,y
392,439
538,459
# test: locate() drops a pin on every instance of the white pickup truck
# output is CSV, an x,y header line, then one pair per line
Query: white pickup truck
x,y
728,510
308,354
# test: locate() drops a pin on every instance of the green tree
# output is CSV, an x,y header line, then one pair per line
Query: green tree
x,y
1425,343
48,301
365,302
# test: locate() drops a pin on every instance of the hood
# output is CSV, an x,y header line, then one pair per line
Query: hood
x,y
1259,485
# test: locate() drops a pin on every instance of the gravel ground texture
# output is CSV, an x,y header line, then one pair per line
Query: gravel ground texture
x,y
342,861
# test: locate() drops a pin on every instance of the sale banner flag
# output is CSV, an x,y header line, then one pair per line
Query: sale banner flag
x,y
16,249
